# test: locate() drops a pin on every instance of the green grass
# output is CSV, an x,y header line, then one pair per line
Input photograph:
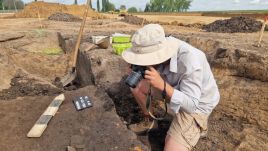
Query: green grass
x,y
39,32
52,51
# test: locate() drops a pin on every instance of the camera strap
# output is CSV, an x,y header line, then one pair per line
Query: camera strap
x,y
149,104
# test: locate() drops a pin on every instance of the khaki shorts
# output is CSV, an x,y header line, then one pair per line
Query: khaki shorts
x,y
186,128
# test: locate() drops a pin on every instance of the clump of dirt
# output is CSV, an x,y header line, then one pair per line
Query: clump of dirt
x,y
46,9
125,104
135,20
239,24
64,17
22,85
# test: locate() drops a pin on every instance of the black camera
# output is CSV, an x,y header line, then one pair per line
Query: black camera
x,y
136,75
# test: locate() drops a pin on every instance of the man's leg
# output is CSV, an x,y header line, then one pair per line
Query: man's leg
x,y
184,132
172,145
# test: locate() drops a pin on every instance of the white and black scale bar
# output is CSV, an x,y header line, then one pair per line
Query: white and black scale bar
x,y
41,124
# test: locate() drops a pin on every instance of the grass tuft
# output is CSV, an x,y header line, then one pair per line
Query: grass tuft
x,y
52,51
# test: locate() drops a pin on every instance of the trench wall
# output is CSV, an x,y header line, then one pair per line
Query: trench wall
x,y
241,76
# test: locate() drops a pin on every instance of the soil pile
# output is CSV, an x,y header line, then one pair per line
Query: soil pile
x,y
47,9
22,85
64,17
135,20
235,24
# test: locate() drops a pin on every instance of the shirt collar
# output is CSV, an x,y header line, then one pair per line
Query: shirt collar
x,y
173,65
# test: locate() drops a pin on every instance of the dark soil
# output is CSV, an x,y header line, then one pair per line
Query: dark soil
x,y
21,85
130,112
125,104
93,129
234,25
64,17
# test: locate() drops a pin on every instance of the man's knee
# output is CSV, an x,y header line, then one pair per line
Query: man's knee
x,y
142,88
172,145
135,91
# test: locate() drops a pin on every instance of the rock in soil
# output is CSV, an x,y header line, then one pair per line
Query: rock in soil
x,y
235,24
100,67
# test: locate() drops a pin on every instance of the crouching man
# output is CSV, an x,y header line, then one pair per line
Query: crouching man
x,y
180,71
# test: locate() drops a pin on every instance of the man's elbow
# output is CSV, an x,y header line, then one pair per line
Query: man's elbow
x,y
190,106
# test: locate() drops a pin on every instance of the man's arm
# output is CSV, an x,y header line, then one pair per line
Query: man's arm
x,y
187,93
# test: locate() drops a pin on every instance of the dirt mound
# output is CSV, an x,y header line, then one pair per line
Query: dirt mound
x,y
64,17
135,20
47,9
22,85
235,24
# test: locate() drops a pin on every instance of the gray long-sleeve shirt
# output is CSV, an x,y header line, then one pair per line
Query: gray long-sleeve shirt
x,y
189,73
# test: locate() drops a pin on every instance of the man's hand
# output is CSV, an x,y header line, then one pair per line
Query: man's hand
x,y
154,78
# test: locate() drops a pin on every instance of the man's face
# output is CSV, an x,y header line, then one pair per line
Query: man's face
x,y
164,63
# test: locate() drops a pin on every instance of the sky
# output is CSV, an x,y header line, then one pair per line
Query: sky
x,y
196,5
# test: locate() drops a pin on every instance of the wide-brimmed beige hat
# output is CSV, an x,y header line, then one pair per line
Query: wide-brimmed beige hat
x,y
150,46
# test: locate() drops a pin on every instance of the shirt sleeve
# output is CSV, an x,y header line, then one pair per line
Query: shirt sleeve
x,y
187,93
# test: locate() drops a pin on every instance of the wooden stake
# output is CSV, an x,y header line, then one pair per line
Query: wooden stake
x,y
142,22
39,17
261,32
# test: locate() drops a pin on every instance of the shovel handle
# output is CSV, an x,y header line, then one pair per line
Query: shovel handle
x,y
80,34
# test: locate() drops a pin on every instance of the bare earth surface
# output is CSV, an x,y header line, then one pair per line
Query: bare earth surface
x,y
238,123
181,19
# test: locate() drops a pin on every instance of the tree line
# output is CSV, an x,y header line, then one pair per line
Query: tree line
x,y
152,6
168,6
106,5
11,4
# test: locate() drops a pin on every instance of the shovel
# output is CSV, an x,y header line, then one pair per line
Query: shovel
x,y
70,77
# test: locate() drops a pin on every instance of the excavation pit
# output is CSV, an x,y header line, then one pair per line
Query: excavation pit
x,y
238,123
237,68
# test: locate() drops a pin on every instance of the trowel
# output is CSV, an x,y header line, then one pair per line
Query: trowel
x,y
70,77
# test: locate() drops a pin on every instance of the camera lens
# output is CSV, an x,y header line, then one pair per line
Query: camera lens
x,y
133,79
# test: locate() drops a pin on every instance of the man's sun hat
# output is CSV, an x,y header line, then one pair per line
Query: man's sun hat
x,y
150,46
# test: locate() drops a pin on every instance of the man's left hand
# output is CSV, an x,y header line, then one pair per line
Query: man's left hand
x,y
154,78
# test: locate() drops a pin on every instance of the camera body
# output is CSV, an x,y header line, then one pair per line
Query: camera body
x,y
137,74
